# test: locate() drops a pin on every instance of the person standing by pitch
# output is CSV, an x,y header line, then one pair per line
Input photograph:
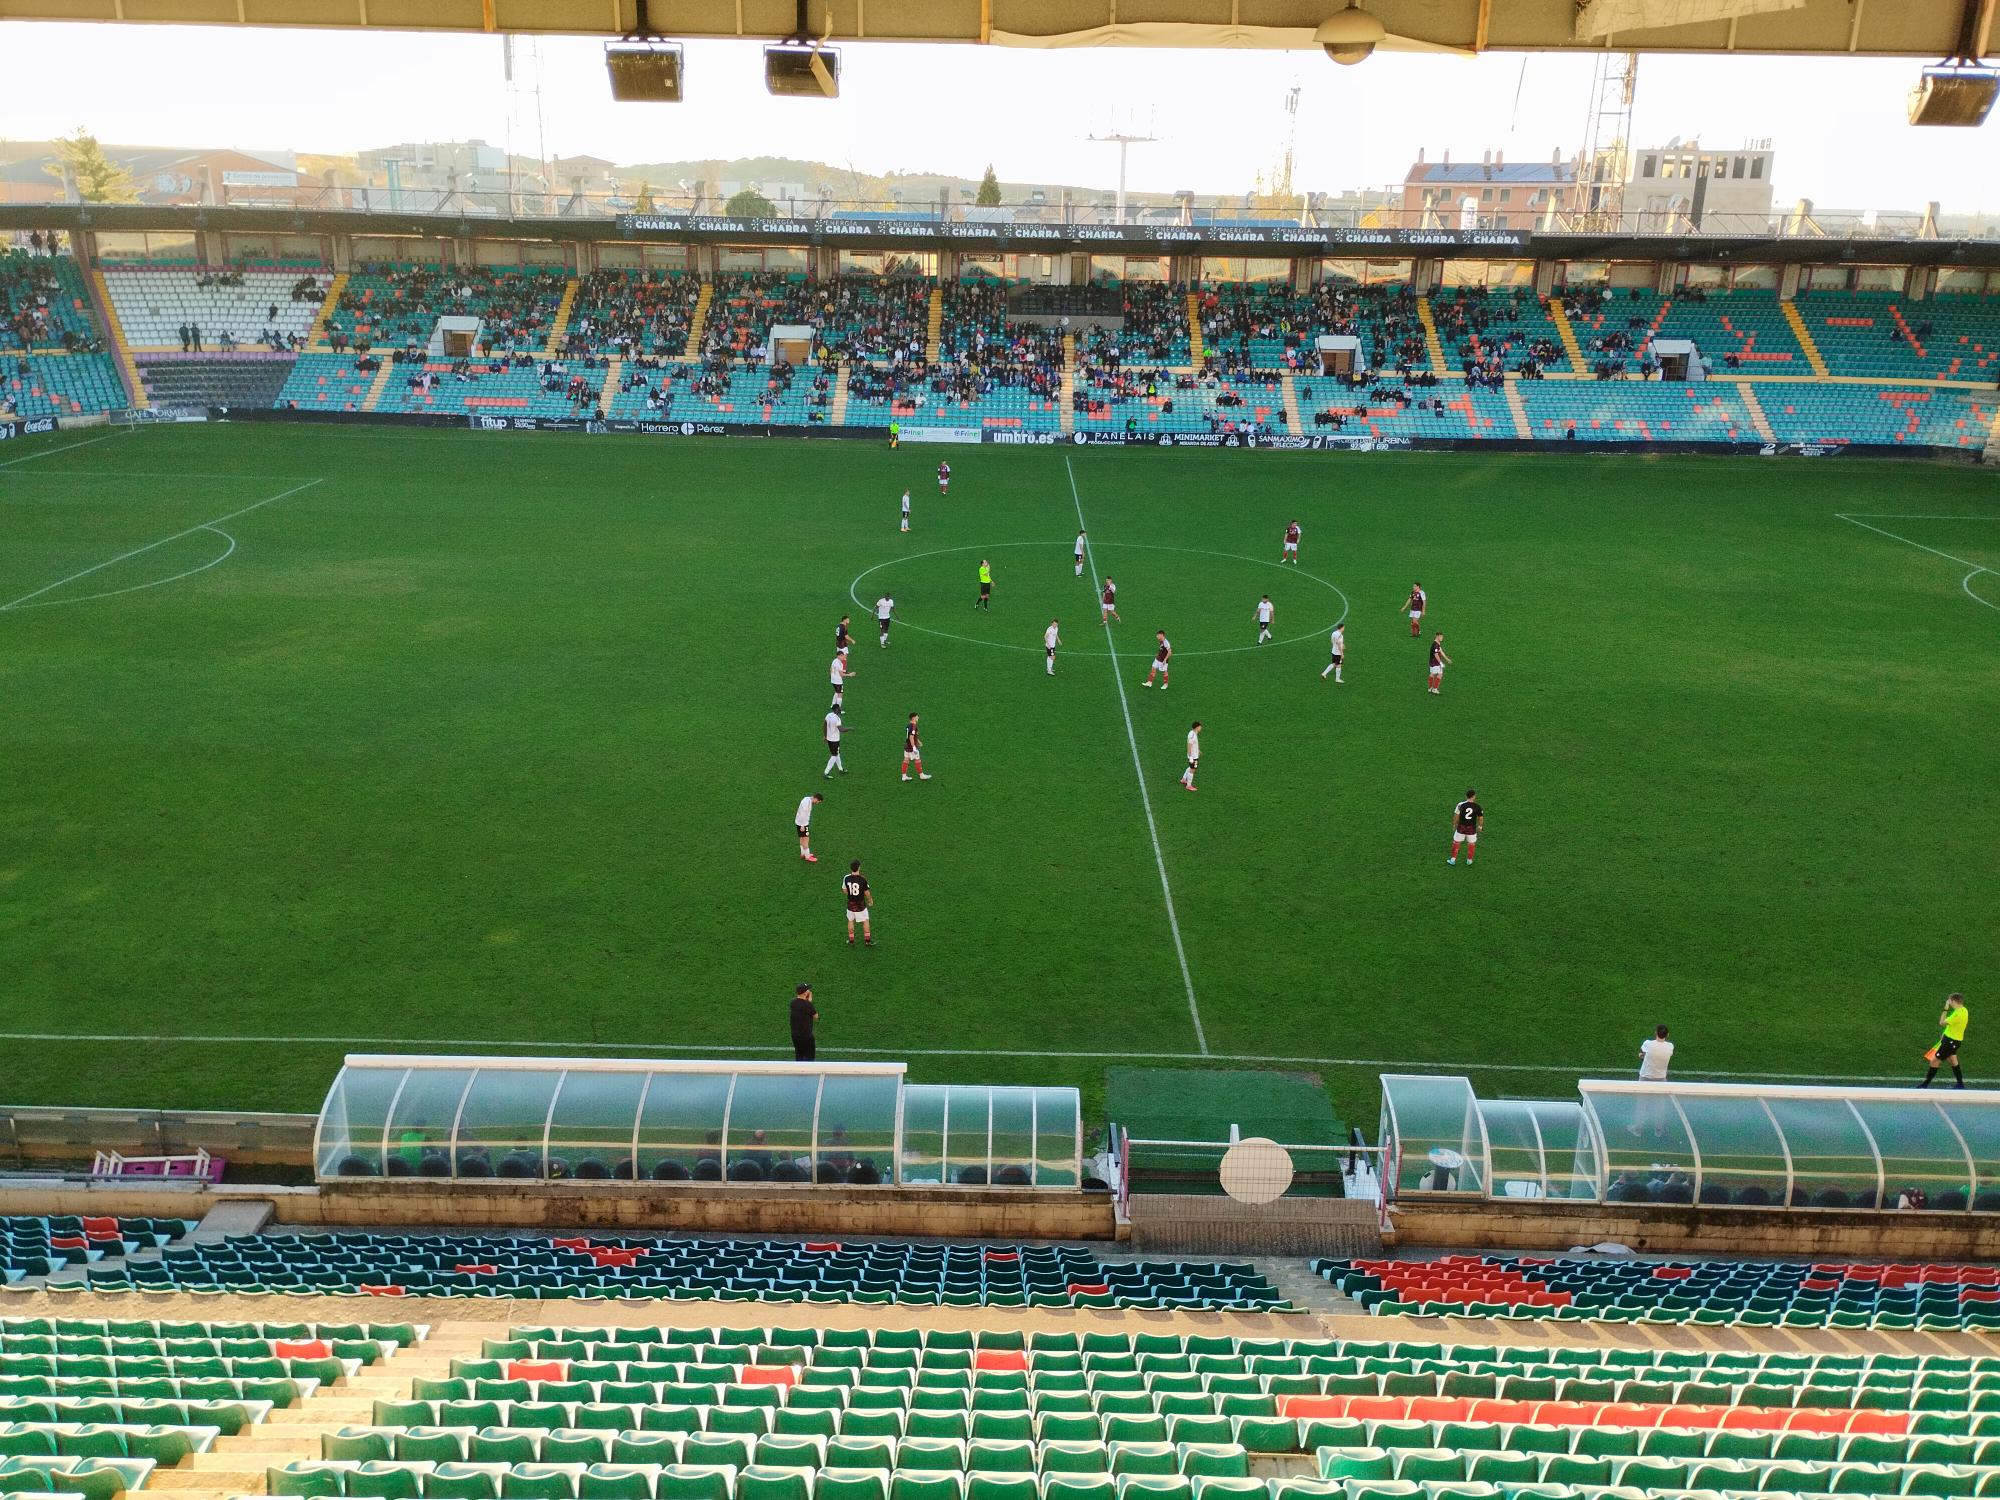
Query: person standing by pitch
x,y
1951,1036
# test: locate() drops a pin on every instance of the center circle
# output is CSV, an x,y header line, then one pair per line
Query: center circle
x,y
1143,653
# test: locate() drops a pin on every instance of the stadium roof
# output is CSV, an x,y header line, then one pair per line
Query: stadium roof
x,y
1914,28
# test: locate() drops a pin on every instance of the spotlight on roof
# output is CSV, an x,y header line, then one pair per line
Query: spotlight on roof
x,y
1955,92
1350,35
800,70
644,71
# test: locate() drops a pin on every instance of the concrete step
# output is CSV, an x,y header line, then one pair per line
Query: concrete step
x,y
238,1481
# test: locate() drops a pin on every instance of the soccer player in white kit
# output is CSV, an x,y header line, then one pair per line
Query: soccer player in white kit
x,y
1079,554
838,673
1339,650
884,607
906,510
1193,754
804,820
1266,613
834,725
1051,640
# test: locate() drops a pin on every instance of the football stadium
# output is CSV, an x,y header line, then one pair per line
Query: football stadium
x,y
780,827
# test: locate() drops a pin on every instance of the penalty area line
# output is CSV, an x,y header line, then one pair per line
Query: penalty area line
x,y
1139,769
137,551
533,1048
1964,562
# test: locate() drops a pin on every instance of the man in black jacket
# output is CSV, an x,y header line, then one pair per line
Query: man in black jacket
x,y
804,1014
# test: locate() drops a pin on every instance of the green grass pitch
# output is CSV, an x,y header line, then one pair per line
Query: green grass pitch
x,y
495,742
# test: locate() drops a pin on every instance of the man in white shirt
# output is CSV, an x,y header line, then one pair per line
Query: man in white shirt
x,y
1051,640
834,725
1193,754
1079,554
804,820
884,607
837,674
1339,651
1654,1055
1651,1115
906,510
1266,612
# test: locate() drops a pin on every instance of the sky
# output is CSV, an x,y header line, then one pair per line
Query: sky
x,y
1838,125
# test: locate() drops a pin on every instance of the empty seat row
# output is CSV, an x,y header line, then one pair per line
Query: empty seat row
x,y
226,1417
933,1476
165,1446
1651,1473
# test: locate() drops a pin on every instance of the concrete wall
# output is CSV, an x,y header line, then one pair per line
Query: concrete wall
x,y
1008,1213
1798,1234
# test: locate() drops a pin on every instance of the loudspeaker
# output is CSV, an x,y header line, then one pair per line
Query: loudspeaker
x,y
644,72
1954,96
802,71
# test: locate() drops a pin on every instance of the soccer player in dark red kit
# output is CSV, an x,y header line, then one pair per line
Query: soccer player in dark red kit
x,y
1418,603
1291,552
1466,820
1439,661
944,479
913,751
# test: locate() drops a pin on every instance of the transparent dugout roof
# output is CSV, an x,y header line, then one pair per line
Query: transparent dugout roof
x,y
614,1119
1741,1145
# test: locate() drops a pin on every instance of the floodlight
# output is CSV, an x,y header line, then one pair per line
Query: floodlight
x,y
800,70
644,71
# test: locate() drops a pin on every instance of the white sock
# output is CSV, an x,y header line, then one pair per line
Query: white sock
x,y
1326,674
831,762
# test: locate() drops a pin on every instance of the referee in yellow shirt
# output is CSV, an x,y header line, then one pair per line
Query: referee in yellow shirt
x,y
1951,1025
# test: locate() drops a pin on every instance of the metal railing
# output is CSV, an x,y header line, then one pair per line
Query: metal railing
x,y
600,204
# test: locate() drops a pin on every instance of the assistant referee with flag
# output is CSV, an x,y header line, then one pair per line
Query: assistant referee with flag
x,y
1951,1026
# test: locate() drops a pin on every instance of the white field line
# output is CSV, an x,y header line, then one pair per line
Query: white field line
x,y
1139,769
83,474
136,551
1964,562
49,452
676,1049
150,584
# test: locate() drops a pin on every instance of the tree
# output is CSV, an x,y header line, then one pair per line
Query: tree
x,y
644,202
750,204
989,189
81,163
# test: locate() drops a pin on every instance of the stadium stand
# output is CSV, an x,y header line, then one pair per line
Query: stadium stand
x,y
1811,412
1632,410
1508,330
43,304
955,1276
1147,358
1881,337
516,385
37,1246
747,304
784,1413
328,382
247,307
397,306
632,313
1273,327
1831,1295
59,385
195,382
